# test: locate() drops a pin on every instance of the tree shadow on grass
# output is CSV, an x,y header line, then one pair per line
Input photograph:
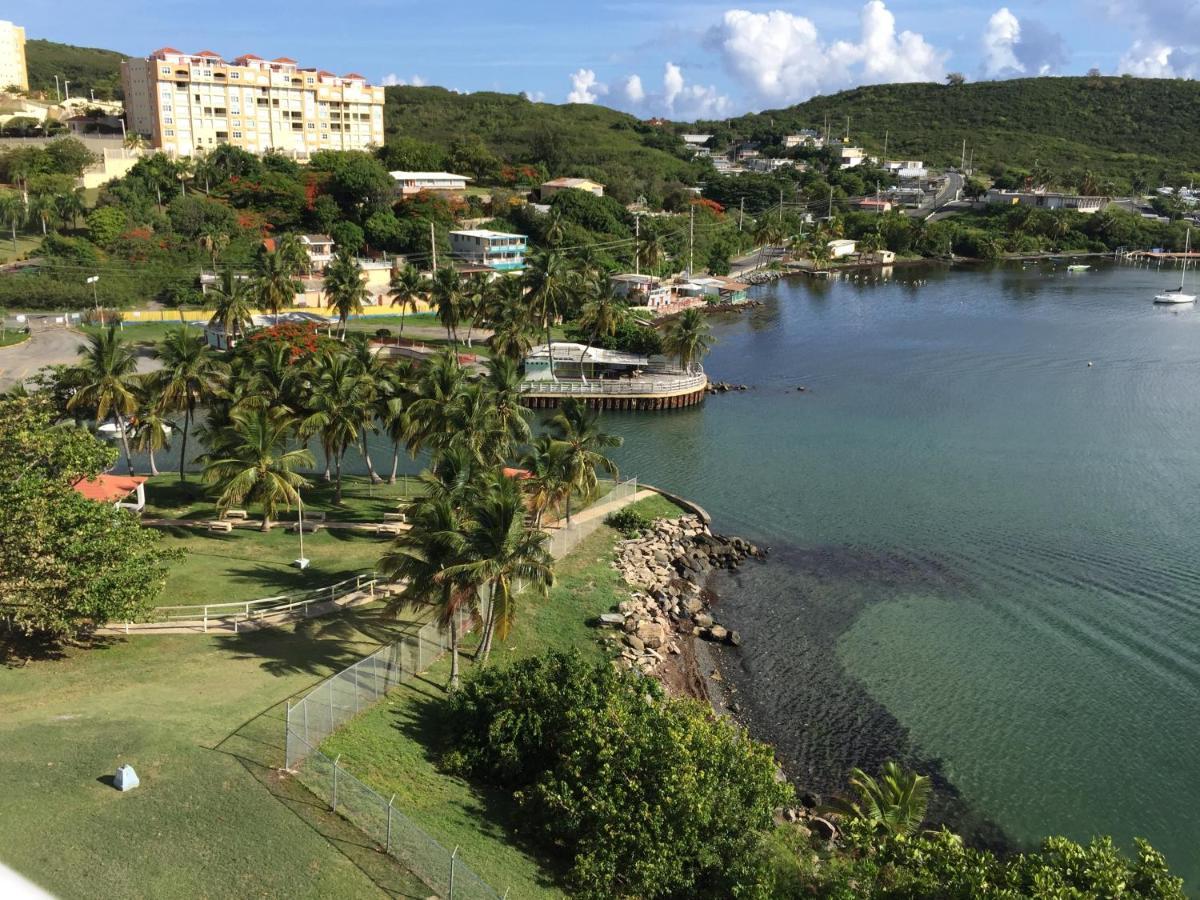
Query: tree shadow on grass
x,y
423,716
18,650
258,746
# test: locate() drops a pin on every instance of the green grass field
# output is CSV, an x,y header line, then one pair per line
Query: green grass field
x,y
26,244
201,720
395,746
13,336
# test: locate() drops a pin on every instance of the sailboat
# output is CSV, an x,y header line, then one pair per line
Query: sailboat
x,y
1176,295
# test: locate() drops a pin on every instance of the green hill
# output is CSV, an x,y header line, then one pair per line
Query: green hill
x,y
1118,128
580,140
87,68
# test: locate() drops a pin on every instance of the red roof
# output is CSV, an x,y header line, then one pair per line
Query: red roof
x,y
208,53
522,474
327,73
354,75
108,488
284,59
269,243
165,50
249,56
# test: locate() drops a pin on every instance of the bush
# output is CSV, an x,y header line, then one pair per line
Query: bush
x,y
639,795
628,521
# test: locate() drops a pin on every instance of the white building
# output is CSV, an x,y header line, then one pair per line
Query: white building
x,y
494,249
804,138
841,248
192,102
414,182
852,157
12,56
1046,200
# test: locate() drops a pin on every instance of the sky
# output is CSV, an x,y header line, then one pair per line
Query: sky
x,y
674,58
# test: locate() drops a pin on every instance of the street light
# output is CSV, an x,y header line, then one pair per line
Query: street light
x,y
92,279
66,90
302,562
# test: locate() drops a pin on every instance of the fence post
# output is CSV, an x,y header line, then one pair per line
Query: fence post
x,y
453,860
388,845
206,620
335,771
287,737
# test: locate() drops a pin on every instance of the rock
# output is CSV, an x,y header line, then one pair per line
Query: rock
x,y
822,828
630,625
613,619
718,633
734,639
653,634
635,643
801,389
126,779
693,605
809,800
790,815
704,620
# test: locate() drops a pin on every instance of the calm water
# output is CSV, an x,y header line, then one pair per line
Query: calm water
x,y
985,551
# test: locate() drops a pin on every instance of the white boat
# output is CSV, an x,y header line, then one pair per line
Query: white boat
x,y
1078,267
1176,295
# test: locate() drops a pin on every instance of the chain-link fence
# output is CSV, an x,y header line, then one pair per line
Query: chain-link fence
x,y
335,701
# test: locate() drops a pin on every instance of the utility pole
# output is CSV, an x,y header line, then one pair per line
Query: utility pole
x,y
67,89
830,215
781,206
691,237
847,138
57,90
741,212
92,279
885,143
963,164
637,245
433,247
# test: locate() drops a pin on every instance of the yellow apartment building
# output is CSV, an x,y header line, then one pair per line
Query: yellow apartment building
x,y
12,56
189,103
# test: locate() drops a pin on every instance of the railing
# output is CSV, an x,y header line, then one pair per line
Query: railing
x,y
671,384
257,610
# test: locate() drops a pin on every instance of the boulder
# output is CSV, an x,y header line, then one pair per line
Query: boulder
x,y
718,632
704,620
612,619
635,643
822,828
809,800
126,779
734,639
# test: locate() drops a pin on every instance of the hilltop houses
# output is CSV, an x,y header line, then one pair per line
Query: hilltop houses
x,y
550,188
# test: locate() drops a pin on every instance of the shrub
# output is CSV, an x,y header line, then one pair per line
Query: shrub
x,y
628,521
641,796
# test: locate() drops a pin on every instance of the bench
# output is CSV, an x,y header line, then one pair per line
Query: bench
x,y
221,525
310,527
395,517
315,516
235,514
388,528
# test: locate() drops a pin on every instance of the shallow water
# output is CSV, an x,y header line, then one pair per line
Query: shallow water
x,y
986,550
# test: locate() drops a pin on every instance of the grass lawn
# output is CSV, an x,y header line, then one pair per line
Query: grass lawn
x,y
26,244
13,336
201,720
395,745
168,498
248,565
144,333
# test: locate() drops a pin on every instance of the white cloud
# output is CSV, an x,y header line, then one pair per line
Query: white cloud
x,y
1002,35
1148,59
585,88
534,96
781,57
1014,47
392,79
1166,37
634,92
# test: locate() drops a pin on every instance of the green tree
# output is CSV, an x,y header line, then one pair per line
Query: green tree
x,y
106,381
233,305
251,463
67,564
191,372
340,408
275,284
12,212
344,287
578,428
152,430
549,279
408,288
602,316
448,298
894,803
688,338
105,224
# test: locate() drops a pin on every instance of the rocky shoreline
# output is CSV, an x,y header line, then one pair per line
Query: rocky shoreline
x,y
668,567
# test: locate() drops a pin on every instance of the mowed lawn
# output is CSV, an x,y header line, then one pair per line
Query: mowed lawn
x,y
201,718
395,746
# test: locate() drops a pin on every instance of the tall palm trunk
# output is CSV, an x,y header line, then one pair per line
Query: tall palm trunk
x,y
153,467
187,420
454,652
266,522
125,442
375,479
337,468
395,461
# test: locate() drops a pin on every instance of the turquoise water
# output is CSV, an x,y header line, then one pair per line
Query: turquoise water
x,y
986,550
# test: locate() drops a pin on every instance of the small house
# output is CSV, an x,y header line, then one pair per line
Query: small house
x,y
841,248
550,188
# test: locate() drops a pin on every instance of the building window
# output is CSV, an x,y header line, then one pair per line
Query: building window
x,y
166,70
168,120
310,80
237,134
311,126
170,132
235,74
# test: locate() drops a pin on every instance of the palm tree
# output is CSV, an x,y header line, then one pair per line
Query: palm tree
x,y
408,288
895,803
152,430
688,338
69,206
578,428
547,485
134,141
477,295
12,212
503,382
252,463
41,207
233,305
503,555
340,407
431,416
448,299
345,288
602,316
272,378
651,250
392,409
213,240
420,558
276,285
190,373
513,328
107,382
548,278
294,255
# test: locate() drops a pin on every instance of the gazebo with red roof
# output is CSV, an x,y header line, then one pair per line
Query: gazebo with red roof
x,y
114,489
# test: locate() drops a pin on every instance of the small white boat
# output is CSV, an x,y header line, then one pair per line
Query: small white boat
x,y
1078,267
1176,296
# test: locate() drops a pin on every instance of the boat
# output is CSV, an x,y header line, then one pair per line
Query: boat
x,y
1078,267
1176,296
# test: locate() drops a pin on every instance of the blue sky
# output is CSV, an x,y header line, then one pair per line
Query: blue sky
x,y
654,57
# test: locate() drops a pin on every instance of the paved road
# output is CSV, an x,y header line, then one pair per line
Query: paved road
x,y
48,346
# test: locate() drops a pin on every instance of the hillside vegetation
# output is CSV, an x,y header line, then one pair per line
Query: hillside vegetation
x,y
1121,129
87,68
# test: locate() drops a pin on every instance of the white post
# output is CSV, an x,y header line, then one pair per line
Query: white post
x,y
453,861
335,773
388,845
